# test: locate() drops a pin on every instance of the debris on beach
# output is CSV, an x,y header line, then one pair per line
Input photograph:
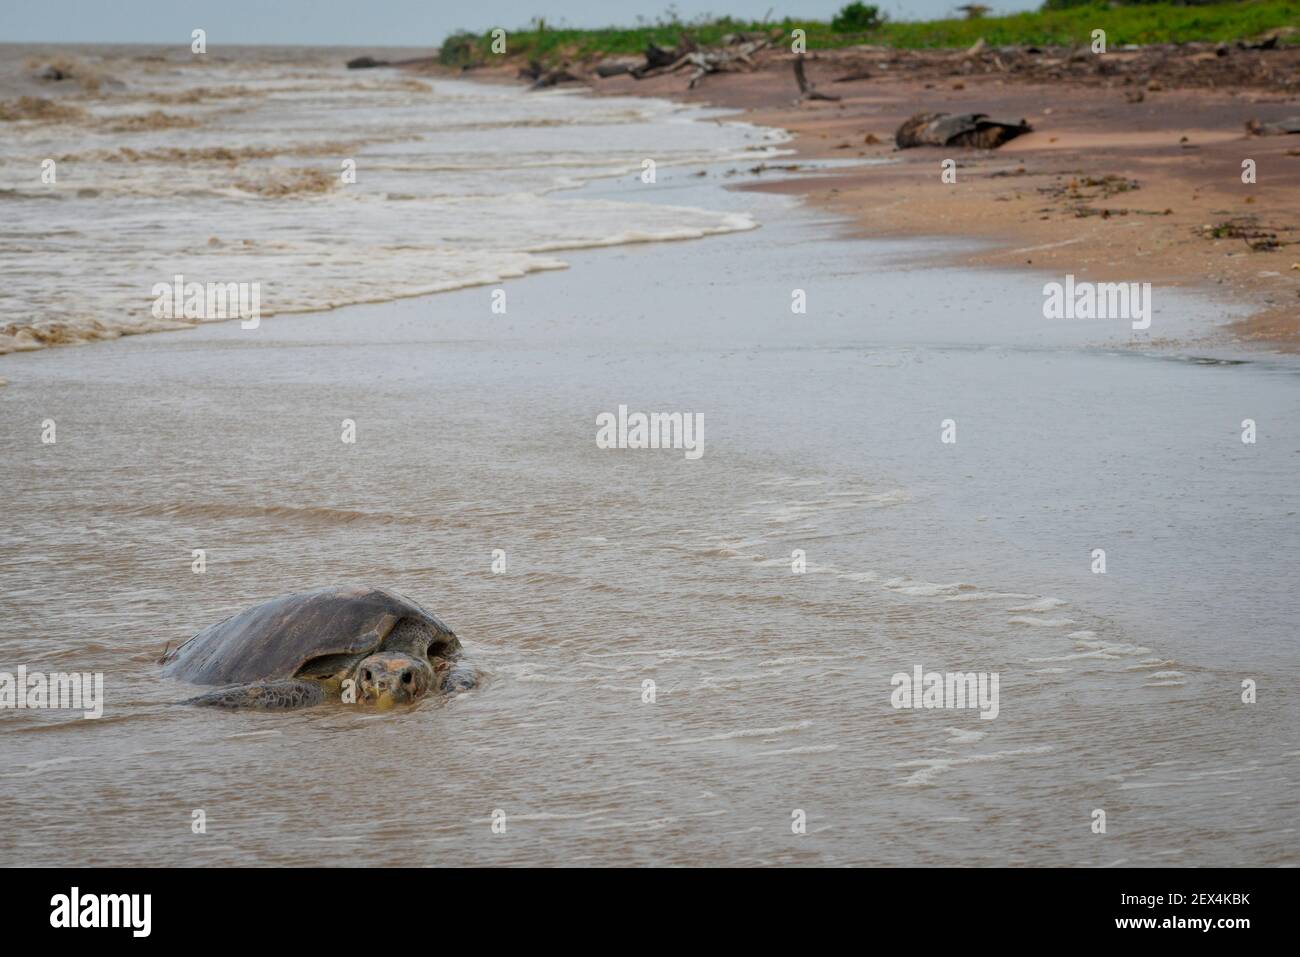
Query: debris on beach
x,y
975,130
1101,186
1258,238
731,57
1150,68
854,76
1078,195
1137,69
1290,125
807,91
615,67
543,77
554,77
1268,42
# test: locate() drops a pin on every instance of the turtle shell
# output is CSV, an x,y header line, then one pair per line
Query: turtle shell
x,y
276,638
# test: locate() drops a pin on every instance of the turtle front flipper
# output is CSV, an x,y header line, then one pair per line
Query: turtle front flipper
x,y
457,676
283,695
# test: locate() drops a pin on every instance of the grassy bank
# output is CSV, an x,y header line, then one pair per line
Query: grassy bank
x,y
1152,23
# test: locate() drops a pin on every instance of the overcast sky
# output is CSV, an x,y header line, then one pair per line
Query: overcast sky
x,y
375,22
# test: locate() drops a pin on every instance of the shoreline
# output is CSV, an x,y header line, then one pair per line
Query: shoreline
x,y
1103,188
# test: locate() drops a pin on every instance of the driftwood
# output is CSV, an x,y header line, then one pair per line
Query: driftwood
x,y
646,71
738,56
554,77
854,76
1268,43
612,68
963,129
727,60
656,57
806,90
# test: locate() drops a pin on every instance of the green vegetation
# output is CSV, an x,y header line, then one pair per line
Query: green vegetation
x,y
460,49
857,18
1067,26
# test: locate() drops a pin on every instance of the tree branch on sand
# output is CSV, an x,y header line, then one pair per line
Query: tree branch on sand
x,y
807,91
736,57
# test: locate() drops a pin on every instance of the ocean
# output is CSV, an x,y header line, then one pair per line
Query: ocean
x,y
326,187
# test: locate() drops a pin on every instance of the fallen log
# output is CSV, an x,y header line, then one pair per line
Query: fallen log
x,y
657,56
705,61
723,61
553,78
607,68
642,73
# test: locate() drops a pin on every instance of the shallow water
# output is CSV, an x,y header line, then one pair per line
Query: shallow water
x,y
475,432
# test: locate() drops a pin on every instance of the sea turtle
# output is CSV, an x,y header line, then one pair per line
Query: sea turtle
x,y
965,129
367,645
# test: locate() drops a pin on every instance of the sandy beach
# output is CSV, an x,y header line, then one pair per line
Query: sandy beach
x,y
1106,188
827,539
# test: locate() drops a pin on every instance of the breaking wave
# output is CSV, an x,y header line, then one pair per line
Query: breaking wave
x,y
325,187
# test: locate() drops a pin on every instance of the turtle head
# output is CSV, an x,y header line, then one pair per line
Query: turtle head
x,y
388,678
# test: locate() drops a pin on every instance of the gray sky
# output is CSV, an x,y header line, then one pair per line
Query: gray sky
x,y
389,22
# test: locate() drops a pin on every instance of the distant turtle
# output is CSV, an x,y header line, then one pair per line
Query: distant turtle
x,y
366,645
1290,125
964,129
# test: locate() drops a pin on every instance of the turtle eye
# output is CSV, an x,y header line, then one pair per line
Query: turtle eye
x,y
406,677
366,675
